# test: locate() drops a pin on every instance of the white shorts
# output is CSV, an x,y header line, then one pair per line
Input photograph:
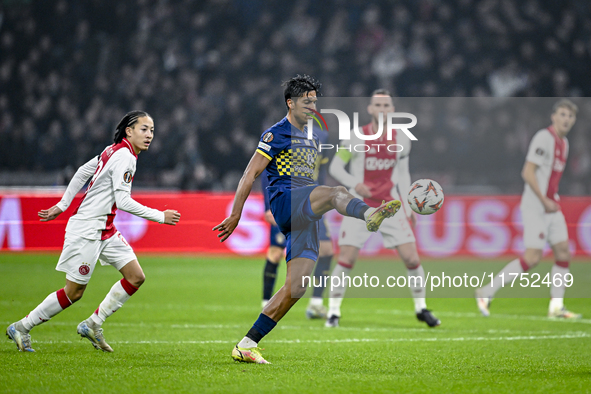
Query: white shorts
x,y
79,256
540,227
395,231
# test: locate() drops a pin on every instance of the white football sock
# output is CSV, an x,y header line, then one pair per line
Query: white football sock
x,y
556,304
557,292
247,343
418,292
368,213
315,301
502,278
338,292
51,306
119,293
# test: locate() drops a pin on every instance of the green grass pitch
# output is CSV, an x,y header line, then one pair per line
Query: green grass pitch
x,y
177,332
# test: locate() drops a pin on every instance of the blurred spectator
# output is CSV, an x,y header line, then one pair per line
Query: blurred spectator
x,y
209,72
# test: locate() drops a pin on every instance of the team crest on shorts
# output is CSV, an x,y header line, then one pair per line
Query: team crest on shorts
x,y
127,177
84,269
268,137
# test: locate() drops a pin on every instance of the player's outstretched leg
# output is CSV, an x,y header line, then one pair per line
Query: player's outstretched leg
x,y
117,296
416,282
556,308
485,294
298,269
426,316
94,334
53,304
337,293
325,198
17,333
483,303
559,272
91,328
377,215
316,309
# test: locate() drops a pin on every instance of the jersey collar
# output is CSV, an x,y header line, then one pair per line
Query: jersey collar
x,y
127,144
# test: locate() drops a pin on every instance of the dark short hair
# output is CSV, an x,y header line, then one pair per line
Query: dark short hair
x,y
384,92
565,103
300,85
128,120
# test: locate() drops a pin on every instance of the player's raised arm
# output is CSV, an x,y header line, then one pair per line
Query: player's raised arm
x,y
338,172
255,167
78,180
122,179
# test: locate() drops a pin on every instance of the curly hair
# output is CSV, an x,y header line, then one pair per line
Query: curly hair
x,y
299,85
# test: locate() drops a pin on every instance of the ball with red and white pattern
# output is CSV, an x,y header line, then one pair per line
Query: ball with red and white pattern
x,y
425,196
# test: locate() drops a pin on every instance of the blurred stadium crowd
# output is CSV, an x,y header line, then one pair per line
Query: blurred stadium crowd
x,y
210,71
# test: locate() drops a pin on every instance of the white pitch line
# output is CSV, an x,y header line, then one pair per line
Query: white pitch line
x,y
351,340
479,316
306,328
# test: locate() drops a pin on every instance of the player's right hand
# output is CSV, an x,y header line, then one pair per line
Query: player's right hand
x,y
171,217
49,214
550,205
226,228
363,190
269,217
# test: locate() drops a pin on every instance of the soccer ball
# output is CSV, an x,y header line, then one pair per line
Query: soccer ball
x,y
425,196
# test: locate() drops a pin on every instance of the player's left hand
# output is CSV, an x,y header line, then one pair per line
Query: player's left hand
x,y
226,228
49,214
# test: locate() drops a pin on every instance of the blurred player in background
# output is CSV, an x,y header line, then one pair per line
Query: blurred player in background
x,y
315,309
91,234
543,220
297,204
375,176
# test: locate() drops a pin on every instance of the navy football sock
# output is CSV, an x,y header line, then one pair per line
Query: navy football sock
x,y
269,277
261,327
356,208
322,269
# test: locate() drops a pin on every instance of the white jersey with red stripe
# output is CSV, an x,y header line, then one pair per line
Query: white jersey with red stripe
x,y
549,152
112,174
380,164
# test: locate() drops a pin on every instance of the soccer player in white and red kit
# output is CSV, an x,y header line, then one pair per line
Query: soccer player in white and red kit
x,y
379,174
91,234
543,220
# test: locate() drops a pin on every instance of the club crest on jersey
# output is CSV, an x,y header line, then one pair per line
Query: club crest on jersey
x,y
268,137
127,177
84,269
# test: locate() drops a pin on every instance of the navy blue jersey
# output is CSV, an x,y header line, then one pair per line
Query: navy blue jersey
x,y
293,156
322,160
320,169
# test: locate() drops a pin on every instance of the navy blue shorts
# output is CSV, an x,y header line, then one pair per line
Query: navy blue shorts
x,y
293,214
277,237
323,233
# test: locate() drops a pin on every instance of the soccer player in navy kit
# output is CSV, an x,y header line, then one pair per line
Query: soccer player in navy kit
x,y
277,243
297,203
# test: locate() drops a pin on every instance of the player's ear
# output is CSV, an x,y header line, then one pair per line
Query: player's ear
x,y
128,131
290,103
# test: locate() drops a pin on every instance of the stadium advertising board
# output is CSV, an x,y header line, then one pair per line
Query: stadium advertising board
x,y
476,226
